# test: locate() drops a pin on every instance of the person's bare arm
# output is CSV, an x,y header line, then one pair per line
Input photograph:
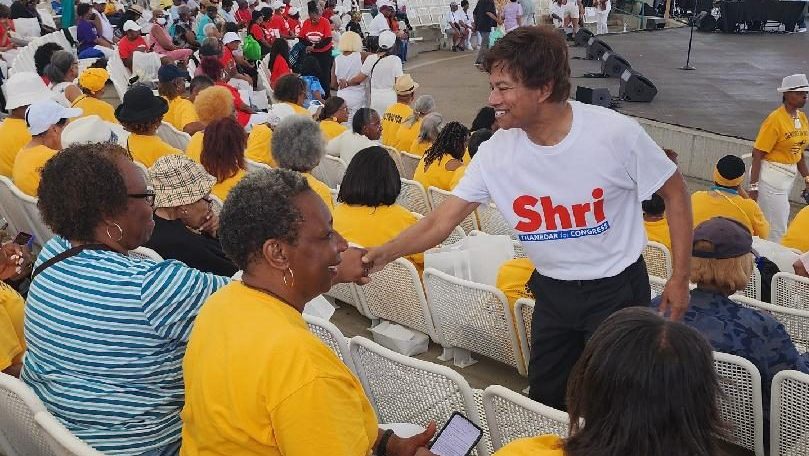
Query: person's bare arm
x,y
427,233
804,171
755,172
194,127
678,212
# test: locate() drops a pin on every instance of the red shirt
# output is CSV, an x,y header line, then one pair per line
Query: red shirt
x,y
278,26
244,16
242,116
317,32
126,47
279,68
258,32
286,10
228,62
294,26
327,13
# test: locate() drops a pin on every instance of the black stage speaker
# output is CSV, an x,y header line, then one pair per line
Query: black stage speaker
x,y
636,87
705,22
596,48
613,65
654,23
600,97
582,37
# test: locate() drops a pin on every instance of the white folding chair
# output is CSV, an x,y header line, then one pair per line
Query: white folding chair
x,y
740,402
331,336
437,196
38,228
795,321
145,253
255,166
11,209
790,290
492,222
172,136
413,197
658,284
409,164
512,416
264,75
523,314
27,27
658,260
472,317
47,18
330,171
408,390
395,294
753,288
119,75
59,438
789,414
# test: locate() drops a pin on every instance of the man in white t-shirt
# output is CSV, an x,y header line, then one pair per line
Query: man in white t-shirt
x,y
456,28
380,22
569,178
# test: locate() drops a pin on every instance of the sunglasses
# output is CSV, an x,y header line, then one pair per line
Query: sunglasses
x,y
148,196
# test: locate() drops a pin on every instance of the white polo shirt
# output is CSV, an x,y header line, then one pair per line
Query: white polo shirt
x,y
576,205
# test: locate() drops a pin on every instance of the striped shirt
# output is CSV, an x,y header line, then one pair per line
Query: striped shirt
x,y
106,336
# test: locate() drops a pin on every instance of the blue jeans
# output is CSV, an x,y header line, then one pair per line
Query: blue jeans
x,y
172,449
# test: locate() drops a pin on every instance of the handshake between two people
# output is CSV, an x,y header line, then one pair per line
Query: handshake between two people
x,y
357,264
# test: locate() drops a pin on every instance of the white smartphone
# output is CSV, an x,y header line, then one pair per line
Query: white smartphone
x,y
458,437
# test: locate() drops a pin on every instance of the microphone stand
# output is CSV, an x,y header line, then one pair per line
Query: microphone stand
x,y
687,65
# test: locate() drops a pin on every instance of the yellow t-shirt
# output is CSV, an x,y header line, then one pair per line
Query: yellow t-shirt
x,y
15,135
437,175
12,342
331,129
716,203
658,231
392,119
257,382
181,113
780,140
298,109
259,145
512,279
419,147
797,235
221,189
543,445
406,136
457,175
321,189
374,226
93,106
28,167
148,148
194,147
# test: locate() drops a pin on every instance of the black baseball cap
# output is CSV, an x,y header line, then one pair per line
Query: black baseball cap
x,y
170,72
727,237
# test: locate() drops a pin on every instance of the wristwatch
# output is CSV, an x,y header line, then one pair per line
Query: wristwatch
x,y
382,448
753,187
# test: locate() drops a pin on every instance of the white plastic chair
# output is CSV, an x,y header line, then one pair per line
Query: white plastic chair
x,y
657,284
330,171
332,337
119,75
795,321
409,164
28,27
408,390
413,197
59,438
37,227
492,222
264,75
753,288
47,19
790,290
255,166
456,235
172,136
145,253
524,313
789,414
437,196
395,294
740,404
11,209
472,317
512,416
658,260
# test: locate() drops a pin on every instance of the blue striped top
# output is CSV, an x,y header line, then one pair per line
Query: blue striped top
x,y
106,336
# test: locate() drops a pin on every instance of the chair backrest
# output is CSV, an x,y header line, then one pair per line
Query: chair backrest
x,y
255,166
437,196
19,434
409,164
264,74
145,253
332,337
789,414
38,228
523,314
790,290
408,390
413,197
658,260
119,75
473,316
492,222
395,294
330,170
512,416
11,209
795,321
396,156
172,136
27,27
740,402
753,288
59,438
456,235
658,284
47,18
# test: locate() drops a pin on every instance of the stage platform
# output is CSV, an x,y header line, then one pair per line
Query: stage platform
x,y
732,89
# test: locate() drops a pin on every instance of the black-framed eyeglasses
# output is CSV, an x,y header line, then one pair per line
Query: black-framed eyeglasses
x,y
147,196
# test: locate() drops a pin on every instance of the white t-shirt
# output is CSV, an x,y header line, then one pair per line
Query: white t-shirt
x,y
576,205
378,25
385,72
454,17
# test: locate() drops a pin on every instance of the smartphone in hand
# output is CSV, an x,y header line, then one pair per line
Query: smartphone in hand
x,y
458,437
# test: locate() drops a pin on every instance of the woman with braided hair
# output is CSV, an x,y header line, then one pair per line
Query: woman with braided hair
x,y
442,164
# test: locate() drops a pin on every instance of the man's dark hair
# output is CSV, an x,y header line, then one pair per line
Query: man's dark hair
x,y
42,56
478,138
654,206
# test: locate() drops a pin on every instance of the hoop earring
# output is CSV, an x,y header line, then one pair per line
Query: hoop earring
x,y
120,231
292,278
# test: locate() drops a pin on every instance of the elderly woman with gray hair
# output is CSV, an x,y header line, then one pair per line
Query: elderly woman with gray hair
x,y
297,144
61,72
411,126
430,127
295,397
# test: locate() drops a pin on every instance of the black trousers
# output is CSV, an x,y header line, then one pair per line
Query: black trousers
x,y
325,60
566,314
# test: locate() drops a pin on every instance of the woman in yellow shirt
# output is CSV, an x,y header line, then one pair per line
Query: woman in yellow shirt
x,y
440,163
223,154
290,90
797,235
778,155
332,118
411,126
211,104
140,114
367,213
428,132
297,144
92,82
654,220
615,388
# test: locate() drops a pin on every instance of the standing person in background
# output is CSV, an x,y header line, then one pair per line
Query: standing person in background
x,y
316,35
603,8
512,15
381,70
392,119
528,11
347,65
778,155
486,19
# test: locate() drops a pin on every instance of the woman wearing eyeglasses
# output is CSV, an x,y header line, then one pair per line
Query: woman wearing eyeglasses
x,y
106,332
185,224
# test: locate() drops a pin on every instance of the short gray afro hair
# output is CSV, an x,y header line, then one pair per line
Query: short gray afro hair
x,y
259,208
298,144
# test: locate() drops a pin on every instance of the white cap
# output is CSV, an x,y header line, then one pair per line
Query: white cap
x,y
44,114
90,129
383,3
25,88
794,83
131,25
387,39
230,37
277,5
100,2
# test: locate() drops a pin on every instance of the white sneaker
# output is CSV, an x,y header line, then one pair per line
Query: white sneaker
x,y
802,30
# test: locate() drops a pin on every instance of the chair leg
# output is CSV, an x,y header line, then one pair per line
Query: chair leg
x,y
463,357
446,354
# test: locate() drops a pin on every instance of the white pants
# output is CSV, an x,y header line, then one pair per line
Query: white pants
x,y
601,21
773,198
